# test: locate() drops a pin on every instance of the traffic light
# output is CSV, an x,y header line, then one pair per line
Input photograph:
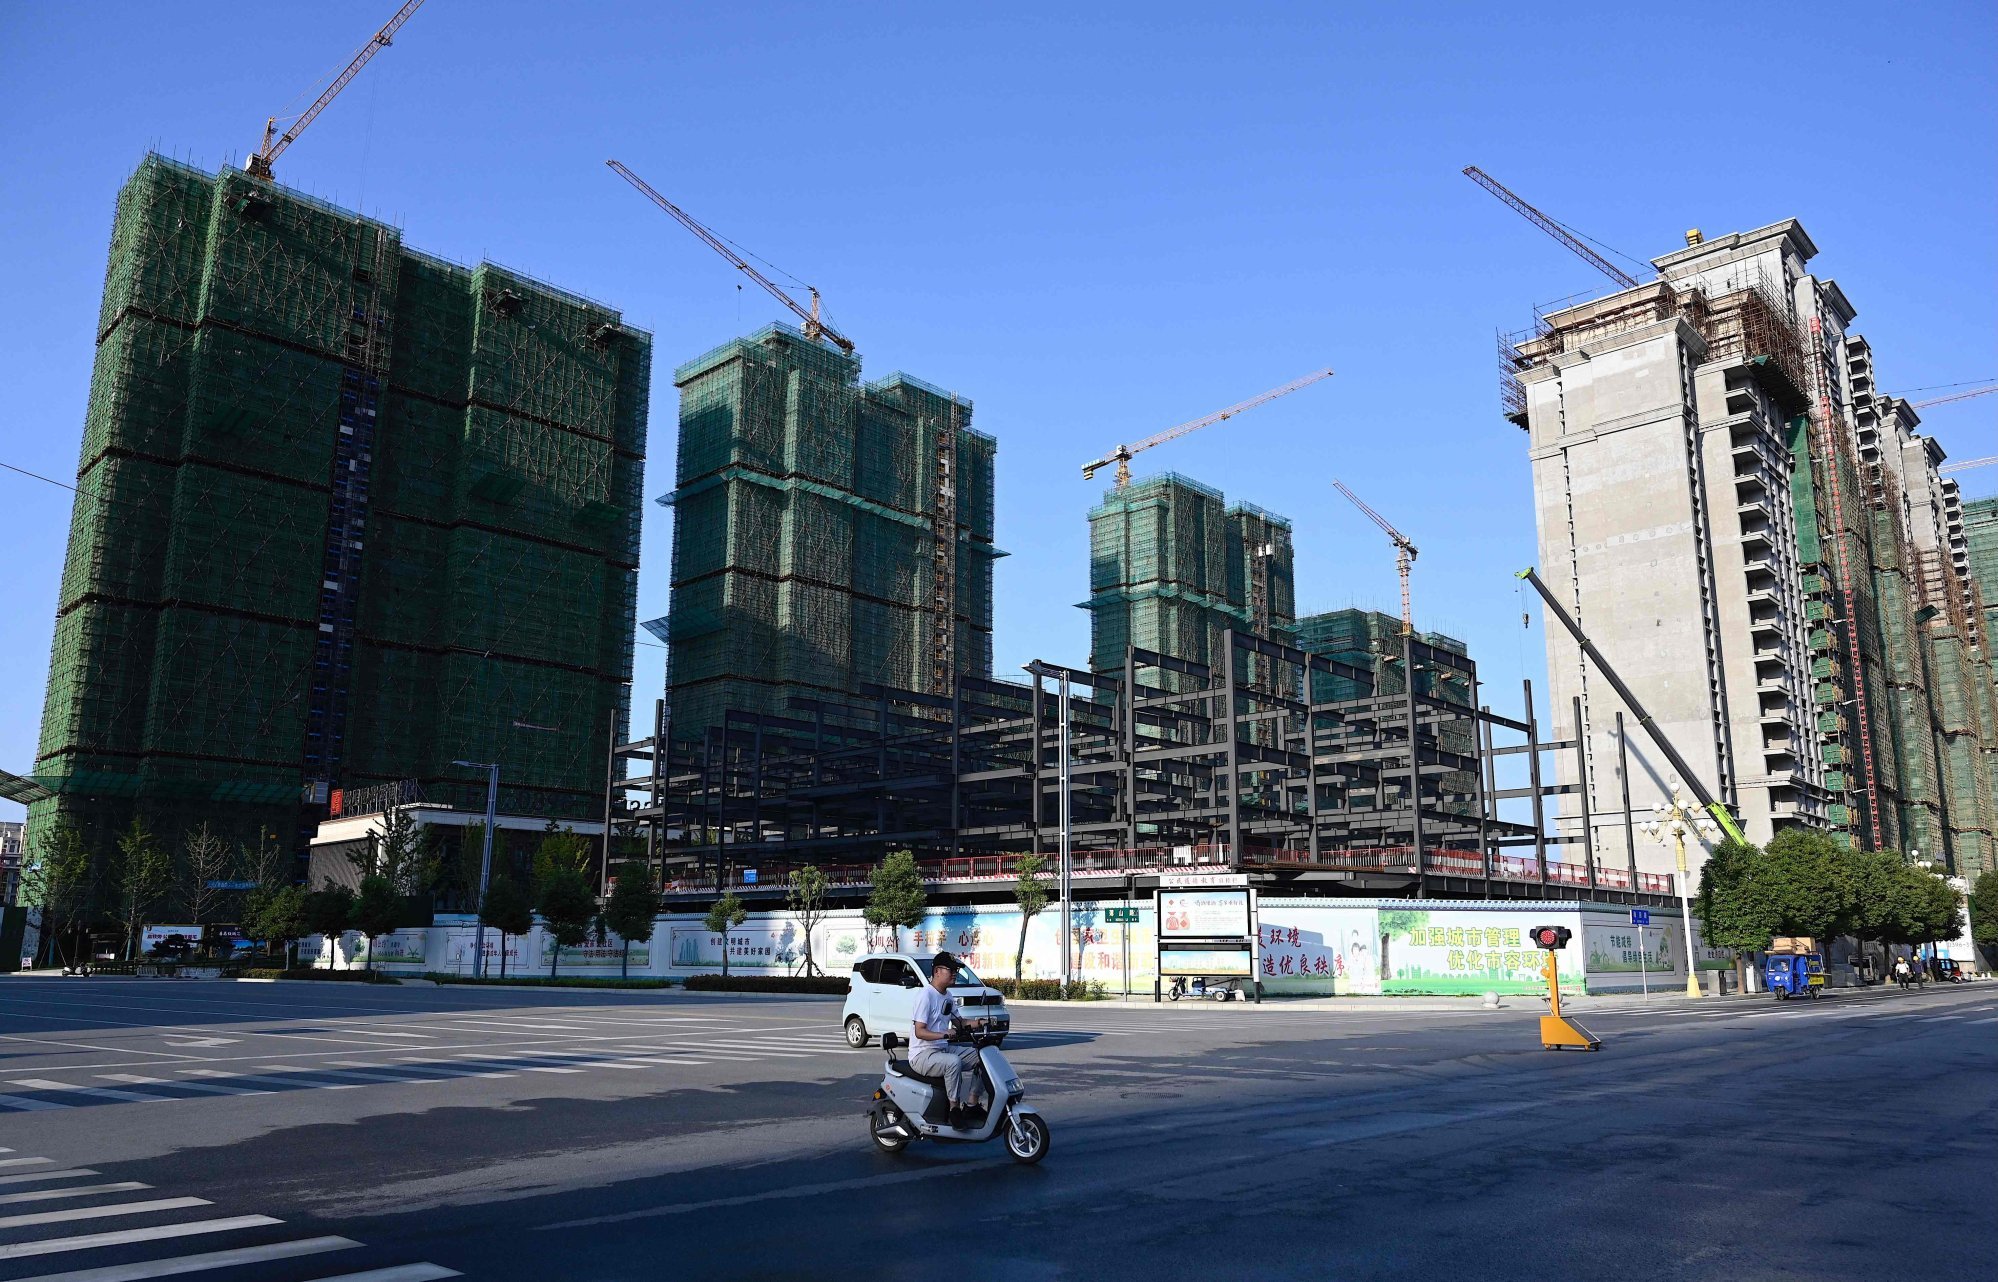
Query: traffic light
x,y
1550,937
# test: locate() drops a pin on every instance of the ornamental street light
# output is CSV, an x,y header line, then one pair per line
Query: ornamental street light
x,y
1678,818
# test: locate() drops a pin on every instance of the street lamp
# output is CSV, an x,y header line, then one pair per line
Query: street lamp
x,y
1678,818
485,861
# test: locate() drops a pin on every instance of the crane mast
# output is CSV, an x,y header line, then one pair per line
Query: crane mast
x,y
259,165
1404,553
815,328
1121,456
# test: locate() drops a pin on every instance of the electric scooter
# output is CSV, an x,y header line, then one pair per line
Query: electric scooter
x,y
909,1106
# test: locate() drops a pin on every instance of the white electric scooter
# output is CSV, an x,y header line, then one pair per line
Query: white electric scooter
x,y
910,1106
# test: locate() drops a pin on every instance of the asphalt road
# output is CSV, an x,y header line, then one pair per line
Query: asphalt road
x,y
295,1131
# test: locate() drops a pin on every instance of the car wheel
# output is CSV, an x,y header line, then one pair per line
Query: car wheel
x,y
856,1032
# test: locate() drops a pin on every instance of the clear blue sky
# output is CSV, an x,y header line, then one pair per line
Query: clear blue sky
x,y
1094,227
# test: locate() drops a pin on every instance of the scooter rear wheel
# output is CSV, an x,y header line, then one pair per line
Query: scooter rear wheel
x,y
1027,1138
887,1143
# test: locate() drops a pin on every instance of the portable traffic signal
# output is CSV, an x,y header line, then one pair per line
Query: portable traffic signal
x,y
1550,937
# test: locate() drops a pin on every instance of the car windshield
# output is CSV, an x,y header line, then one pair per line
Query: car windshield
x,y
965,979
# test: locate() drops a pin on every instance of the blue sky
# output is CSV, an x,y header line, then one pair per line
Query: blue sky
x,y
1093,226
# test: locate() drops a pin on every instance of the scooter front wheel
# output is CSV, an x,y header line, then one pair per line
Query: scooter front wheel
x,y
1027,1137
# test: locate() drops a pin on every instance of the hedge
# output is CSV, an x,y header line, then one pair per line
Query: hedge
x,y
1050,990
834,984
543,981
311,972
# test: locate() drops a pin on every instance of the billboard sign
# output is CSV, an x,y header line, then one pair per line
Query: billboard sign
x,y
152,937
1204,914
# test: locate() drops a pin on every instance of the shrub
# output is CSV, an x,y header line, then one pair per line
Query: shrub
x,y
543,981
835,984
1049,990
338,976
260,973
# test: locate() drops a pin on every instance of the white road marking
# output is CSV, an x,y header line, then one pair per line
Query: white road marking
x,y
139,1079
380,1032
102,1212
102,1092
304,1070
74,1190
26,1161
69,1174
121,1237
26,1105
399,1273
273,1081
203,1043
180,1264
462,1072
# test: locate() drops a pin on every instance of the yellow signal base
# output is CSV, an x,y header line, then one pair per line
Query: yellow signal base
x,y
1558,1032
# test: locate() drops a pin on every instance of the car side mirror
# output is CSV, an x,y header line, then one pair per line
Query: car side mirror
x,y
910,981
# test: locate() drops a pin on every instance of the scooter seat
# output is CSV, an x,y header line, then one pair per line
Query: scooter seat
x,y
900,1068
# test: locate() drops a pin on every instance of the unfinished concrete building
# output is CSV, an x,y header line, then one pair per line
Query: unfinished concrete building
x,y
1172,567
1762,545
827,535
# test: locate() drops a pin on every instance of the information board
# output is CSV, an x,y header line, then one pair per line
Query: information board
x,y
1215,962
1204,914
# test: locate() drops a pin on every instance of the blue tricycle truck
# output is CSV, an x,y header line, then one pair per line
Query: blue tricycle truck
x,y
1794,974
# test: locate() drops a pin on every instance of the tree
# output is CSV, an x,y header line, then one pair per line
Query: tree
x,y
1880,907
329,911
1735,905
1938,909
806,898
1809,891
276,915
506,910
631,910
378,911
1984,909
566,908
898,898
561,850
726,915
205,860
144,871
403,853
1030,892
57,880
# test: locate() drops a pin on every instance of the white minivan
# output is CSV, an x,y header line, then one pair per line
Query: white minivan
x,y
881,997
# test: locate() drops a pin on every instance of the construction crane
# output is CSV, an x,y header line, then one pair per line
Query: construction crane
x,y
1960,396
815,329
1404,553
1686,773
1552,228
1121,456
274,143
1950,468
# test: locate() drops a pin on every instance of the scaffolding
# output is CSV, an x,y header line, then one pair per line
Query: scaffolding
x,y
827,534
317,469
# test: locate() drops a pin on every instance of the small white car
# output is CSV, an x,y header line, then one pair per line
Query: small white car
x,y
881,997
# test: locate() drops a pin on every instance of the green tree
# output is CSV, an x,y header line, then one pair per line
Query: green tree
x,y
566,909
58,881
144,872
329,911
1984,909
631,910
205,859
561,850
898,899
806,898
276,915
403,853
1938,909
379,910
1881,905
1809,889
726,915
1736,903
1030,892
506,910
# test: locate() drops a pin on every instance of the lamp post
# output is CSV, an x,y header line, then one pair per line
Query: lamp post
x,y
1678,818
485,861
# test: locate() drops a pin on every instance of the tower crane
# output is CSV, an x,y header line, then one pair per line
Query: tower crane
x,y
1950,468
1960,396
1552,228
1121,456
1404,553
274,144
815,329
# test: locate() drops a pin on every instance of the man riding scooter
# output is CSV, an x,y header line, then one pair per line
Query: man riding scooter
x,y
932,1053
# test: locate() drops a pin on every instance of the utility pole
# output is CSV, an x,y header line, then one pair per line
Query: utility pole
x,y
485,860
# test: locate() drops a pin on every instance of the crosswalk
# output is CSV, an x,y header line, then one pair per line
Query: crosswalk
x,y
1837,1006
401,1063
100,1232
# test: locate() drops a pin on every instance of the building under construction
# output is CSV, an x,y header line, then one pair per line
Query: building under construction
x,y
347,512
828,535
1763,545
1172,568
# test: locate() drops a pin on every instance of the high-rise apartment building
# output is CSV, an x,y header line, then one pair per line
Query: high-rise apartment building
x,y
827,535
1761,543
346,513
1172,567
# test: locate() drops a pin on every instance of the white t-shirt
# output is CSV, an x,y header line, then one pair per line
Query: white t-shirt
x,y
933,1009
